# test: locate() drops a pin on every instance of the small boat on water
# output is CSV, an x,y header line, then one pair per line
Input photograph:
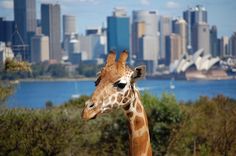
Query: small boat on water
x,y
172,85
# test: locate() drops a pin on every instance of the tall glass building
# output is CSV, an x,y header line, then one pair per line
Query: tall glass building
x,y
118,31
51,27
25,20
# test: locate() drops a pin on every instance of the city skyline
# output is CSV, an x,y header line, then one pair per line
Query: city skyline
x,y
219,11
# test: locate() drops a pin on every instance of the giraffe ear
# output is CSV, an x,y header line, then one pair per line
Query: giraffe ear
x,y
139,73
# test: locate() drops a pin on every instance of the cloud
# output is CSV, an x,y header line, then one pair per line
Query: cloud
x,y
145,2
172,5
6,4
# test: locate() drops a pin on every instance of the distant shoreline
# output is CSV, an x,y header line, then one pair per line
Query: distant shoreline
x,y
58,79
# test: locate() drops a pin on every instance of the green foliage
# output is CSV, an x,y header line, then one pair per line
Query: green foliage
x,y
6,90
206,127
57,70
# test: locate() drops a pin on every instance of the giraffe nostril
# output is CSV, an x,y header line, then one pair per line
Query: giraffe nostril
x,y
91,105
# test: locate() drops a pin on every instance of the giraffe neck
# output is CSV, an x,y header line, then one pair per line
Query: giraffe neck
x,y
139,138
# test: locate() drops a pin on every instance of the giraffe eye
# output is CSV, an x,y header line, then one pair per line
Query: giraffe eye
x,y
120,84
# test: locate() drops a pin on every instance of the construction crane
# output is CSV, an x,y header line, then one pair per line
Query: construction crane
x,y
20,49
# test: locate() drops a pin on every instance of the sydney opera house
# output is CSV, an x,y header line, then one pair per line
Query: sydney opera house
x,y
198,66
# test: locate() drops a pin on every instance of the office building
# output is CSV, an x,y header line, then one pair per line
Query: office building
x,y
224,50
201,37
69,25
92,47
180,28
233,45
145,44
118,31
165,26
192,16
213,42
40,48
5,52
50,19
25,21
173,48
6,31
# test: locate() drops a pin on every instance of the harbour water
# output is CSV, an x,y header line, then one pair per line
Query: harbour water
x,y
34,94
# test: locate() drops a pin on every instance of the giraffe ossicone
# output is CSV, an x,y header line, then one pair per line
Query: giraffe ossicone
x,y
115,88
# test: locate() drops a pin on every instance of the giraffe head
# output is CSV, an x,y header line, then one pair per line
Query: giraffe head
x,y
114,86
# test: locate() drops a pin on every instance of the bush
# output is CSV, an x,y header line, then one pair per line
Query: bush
x,y
206,127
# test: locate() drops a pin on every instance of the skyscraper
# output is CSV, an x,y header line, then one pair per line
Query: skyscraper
x,y
180,28
201,37
69,25
25,20
192,16
213,42
173,48
118,31
233,45
145,35
50,16
224,42
6,31
165,30
40,48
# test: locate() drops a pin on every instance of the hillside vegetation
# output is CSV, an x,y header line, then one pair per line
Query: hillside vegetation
x,y
204,127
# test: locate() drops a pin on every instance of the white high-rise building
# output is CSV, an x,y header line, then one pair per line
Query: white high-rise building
x,y
201,37
69,25
145,35
5,52
181,29
165,30
39,48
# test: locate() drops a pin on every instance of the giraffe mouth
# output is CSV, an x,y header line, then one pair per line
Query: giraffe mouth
x,y
95,116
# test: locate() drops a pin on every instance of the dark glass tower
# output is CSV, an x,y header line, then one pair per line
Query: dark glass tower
x,y
25,21
213,42
118,32
193,16
51,27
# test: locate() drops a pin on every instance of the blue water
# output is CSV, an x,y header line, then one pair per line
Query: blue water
x,y
35,94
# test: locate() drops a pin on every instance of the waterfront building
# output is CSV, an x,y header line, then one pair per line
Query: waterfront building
x,y
6,31
192,16
213,42
92,47
25,21
5,52
233,45
69,25
145,45
201,37
180,28
51,27
118,31
39,48
69,30
224,50
173,48
165,24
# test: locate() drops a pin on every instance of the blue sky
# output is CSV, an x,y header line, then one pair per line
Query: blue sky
x,y
92,13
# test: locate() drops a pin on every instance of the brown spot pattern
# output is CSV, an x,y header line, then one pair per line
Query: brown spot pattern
x,y
126,107
119,98
138,122
125,100
139,144
138,108
126,93
130,114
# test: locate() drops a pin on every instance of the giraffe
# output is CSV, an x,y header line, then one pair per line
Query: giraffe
x,y
115,88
